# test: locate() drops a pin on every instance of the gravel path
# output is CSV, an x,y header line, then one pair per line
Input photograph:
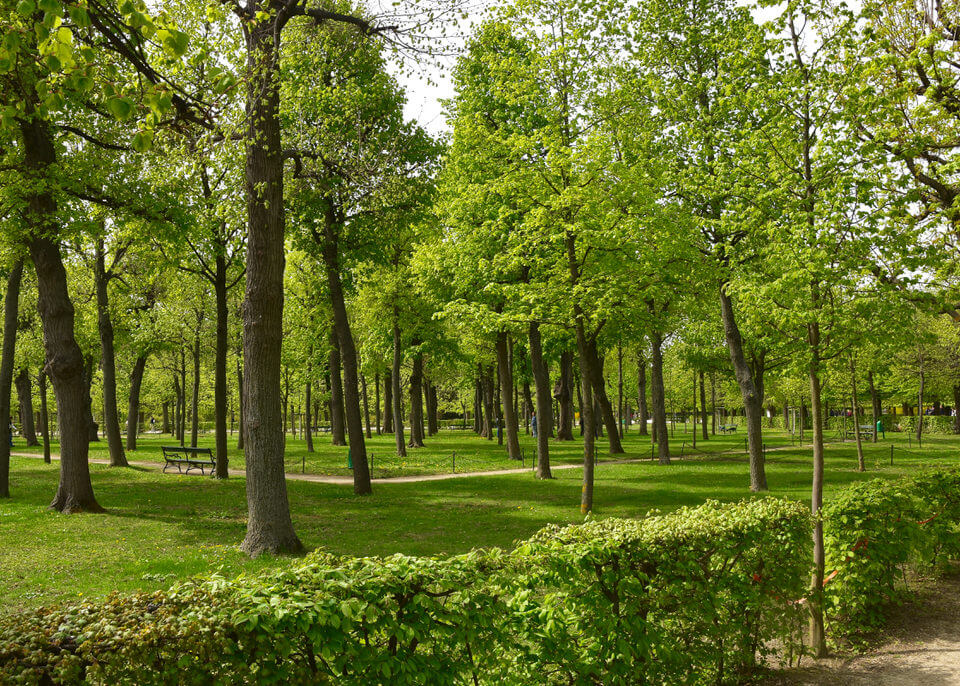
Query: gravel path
x,y
920,648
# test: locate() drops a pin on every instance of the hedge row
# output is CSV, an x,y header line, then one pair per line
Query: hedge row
x,y
874,532
690,597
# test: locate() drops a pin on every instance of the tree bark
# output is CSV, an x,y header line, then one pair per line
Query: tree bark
x,y
817,637
221,471
308,400
366,406
642,410
541,378
337,405
861,465
488,423
509,409
195,400
92,426
877,410
752,396
621,425
269,526
657,396
240,404
400,440
703,409
133,402
595,370
920,390
416,401
433,423
376,399
25,397
11,312
388,403
44,416
564,395
182,427
108,363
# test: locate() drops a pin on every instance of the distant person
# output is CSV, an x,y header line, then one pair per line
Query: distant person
x,y
153,423
533,424
12,429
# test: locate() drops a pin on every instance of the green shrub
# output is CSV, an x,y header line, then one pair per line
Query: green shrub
x,y
688,597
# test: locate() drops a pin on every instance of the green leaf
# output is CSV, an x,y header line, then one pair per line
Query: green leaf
x,y
121,108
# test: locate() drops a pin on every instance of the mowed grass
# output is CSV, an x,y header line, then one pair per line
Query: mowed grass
x,y
160,528
449,451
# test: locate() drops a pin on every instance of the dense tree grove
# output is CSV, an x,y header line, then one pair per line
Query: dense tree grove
x,y
217,218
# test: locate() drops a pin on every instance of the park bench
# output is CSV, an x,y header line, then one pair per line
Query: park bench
x,y
866,431
193,458
728,428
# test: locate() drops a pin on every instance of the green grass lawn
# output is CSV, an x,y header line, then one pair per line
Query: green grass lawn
x,y
164,527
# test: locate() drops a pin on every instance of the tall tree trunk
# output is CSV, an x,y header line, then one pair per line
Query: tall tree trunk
x,y
621,424
541,378
308,401
388,403
433,423
478,406
752,397
108,363
564,395
920,390
488,396
877,410
713,403
657,396
366,406
509,410
25,397
861,465
220,369
269,526
182,428
165,426
376,398
817,636
11,310
44,416
595,364
416,401
337,405
400,440
195,400
642,410
703,409
92,426
133,402
240,403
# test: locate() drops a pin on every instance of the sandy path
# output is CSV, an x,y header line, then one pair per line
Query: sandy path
x,y
921,648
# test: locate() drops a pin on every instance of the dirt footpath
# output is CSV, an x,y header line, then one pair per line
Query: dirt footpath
x,y
920,648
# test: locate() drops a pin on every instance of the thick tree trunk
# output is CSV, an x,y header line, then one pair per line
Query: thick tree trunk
x,y
351,365
25,397
366,406
416,401
541,378
11,310
657,396
509,410
195,400
564,395
388,403
44,416
400,440
337,405
376,399
220,369
108,362
269,526
752,396
643,412
133,402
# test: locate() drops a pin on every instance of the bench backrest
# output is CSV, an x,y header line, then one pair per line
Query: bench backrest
x,y
183,450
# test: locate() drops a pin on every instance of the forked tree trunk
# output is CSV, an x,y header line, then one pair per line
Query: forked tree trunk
x,y
11,309
541,378
25,397
752,397
133,402
269,526
509,410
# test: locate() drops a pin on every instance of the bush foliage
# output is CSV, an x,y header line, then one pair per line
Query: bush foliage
x,y
691,597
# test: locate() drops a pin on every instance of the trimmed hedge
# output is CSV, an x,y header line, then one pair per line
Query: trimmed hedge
x,y
688,597
874,531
